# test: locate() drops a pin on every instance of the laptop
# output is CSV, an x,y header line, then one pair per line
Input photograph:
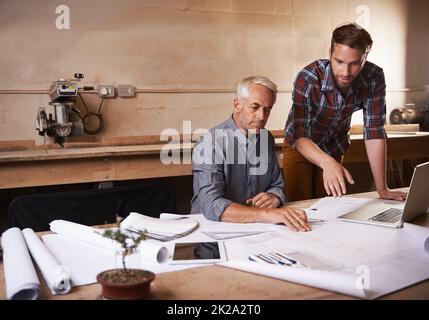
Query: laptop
x,y
384,213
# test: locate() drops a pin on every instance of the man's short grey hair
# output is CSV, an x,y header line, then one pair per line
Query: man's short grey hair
x,y
242,89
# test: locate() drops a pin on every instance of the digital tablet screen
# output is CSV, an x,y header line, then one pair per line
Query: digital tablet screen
x,y
196,251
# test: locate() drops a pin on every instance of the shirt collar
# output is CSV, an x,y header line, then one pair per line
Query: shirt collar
x,y
241,138
233,126
328,83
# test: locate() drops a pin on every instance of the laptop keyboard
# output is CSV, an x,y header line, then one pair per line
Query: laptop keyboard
x,y
391,215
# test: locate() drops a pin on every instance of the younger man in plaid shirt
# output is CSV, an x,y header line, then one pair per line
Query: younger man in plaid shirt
x,y
325,95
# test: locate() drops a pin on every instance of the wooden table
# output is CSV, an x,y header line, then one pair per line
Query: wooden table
x,y
43,167
215,282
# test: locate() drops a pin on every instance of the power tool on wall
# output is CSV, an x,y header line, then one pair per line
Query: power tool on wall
x,y
62,119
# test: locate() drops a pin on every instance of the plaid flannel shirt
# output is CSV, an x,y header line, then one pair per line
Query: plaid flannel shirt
x,y
321,113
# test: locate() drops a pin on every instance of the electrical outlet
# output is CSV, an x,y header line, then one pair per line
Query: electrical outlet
x,y
106,91
126,90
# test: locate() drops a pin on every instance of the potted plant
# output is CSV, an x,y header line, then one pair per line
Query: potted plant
x,y
124,283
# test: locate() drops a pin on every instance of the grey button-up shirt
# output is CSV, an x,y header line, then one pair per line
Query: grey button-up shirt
x,y
228,167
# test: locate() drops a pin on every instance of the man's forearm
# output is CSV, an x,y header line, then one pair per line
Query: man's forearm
x,y
241,214
312,152
376,151
293,218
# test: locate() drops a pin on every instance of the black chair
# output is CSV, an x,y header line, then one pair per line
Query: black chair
x,y
91,207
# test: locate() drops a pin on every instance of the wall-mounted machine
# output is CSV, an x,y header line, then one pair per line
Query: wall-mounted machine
x,y
61,119
411,114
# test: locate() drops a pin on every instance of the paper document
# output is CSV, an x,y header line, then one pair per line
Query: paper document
x,y
174,216
86,260
83,233
19,273
384,259
219,235
164,230
331,208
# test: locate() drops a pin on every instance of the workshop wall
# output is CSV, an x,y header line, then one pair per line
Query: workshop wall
x,y
191,53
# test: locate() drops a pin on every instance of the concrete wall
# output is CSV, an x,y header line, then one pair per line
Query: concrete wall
x,y
201,47
417,51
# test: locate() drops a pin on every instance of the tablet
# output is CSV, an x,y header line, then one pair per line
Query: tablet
x,y
198,252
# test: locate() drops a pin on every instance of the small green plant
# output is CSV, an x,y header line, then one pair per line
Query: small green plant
x,y
129,241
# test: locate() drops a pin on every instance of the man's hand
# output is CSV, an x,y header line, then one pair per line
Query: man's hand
x,y
295,219
264,200
333,178
392,195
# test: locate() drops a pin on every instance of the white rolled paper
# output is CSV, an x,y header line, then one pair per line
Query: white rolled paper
x,y
153,252
337,281
20,276
57,276
83,233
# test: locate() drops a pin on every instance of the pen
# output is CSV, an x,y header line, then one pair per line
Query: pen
x,y
294,262
258,259
252,258
274,259
287,258
316,220
268,259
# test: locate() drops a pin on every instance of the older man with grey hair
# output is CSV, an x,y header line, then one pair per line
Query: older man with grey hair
x,y
236,173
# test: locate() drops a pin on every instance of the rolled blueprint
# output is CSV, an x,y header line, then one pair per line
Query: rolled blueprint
x,y
337,281
83,233
57,276
19,273
153,252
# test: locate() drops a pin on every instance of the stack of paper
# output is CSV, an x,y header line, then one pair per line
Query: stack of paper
x,y
164,230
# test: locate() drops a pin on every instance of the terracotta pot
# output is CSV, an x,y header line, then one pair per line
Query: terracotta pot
x,y
117,284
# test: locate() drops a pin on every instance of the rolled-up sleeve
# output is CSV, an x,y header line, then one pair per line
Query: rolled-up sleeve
x,y
209,184
211,193
374,110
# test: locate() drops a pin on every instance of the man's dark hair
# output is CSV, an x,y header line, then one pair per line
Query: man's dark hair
x,y
352,35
